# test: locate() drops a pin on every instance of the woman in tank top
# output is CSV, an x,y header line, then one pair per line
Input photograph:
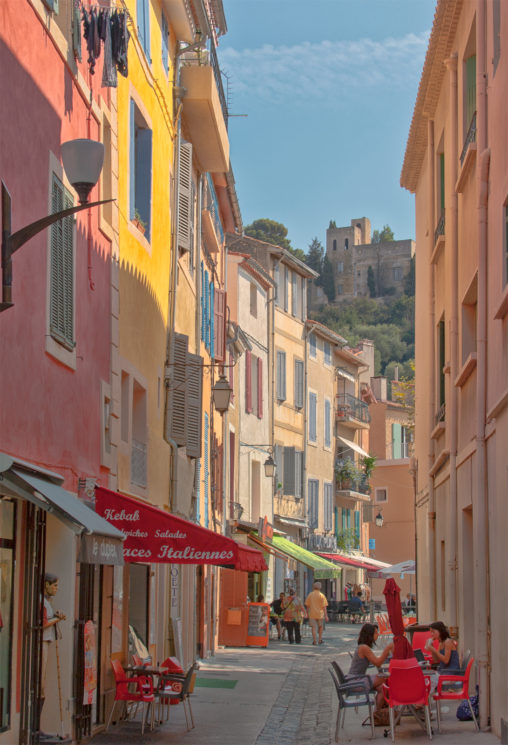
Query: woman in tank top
x,y
364,656
447,655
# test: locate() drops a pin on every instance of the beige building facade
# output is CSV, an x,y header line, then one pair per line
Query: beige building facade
x,y
456,164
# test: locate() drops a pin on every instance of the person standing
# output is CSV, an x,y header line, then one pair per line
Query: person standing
x,y
276,606
50,631
316,604
294,612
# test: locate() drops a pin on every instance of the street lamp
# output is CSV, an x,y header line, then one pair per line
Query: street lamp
x,y
82,160
269,467
221,392
379,519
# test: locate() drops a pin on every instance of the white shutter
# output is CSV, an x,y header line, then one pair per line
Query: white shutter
x,y
185,206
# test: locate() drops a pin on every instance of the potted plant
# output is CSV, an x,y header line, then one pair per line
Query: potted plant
x,y
368,462
139,222
346,473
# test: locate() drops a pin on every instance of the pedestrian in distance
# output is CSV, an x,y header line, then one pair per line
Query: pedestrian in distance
x,y
294,613
316,604
277,612
364,656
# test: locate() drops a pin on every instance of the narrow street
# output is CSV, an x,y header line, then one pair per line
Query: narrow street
x,y
282,695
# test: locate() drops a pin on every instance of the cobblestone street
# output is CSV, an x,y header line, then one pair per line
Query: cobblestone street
x,y
282,695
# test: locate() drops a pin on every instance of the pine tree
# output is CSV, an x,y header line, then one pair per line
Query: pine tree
x,y
371,281
327,281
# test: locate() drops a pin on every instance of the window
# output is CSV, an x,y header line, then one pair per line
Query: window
x,y
184,395
496,22
468,326
397,273
298,473
165,44
209,310
346,243
281,376
61,283
470,92
327,507
328,353
299,401
441,182
334,244
441,364
52,5
312,417
381,495
340,267
253,300
140,171
328,425
312,346
139,436
143,19
276,273
294,293
206,468
286,288
357,526
505,262
303,300
396,441
218,350
405,442
313,504
253,384
339,290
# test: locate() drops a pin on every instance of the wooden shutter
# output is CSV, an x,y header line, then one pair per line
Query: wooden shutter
x,y
248,382
442,180
206,479
279,463
193,414
177,390
212,319
185,206
61,313
328,437
202,301
165,41
357,525
260,388
232,456
281,376
294,293
219,325
277,283
298,384
207,310
298,473
289,471
312,417
286,287
396,440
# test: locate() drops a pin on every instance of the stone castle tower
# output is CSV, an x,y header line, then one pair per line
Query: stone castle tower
x,y
351,253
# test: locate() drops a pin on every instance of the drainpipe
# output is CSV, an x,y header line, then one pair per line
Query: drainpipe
x,y
453,239
431,514
480,494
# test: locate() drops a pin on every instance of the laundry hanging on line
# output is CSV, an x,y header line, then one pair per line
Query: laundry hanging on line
x,y
107,28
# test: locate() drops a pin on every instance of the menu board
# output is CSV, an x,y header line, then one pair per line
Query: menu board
x,y
258,625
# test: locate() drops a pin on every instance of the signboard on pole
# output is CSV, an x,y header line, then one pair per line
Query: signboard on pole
x,y
258,624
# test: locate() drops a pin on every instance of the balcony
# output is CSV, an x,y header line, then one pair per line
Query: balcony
x,y
440,229
205,110
470,138
210,217
291,508
326,543
352,412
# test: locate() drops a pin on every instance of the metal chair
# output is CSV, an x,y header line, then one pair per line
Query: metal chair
x,y
175,688
351,695
456,689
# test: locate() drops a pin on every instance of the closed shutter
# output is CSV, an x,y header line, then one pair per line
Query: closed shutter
x,y
203,325
277,284
279,463
185,206
312,417
198,491
294,293
357,526
212,320
304,300
219,325
260,388
206,465
286,288
165,39
298,473
442,179
207,310
193,413
281,376
289,471
298,384
313,504
248,382
231,376
144,26
177,390
61,313
396,441
328,438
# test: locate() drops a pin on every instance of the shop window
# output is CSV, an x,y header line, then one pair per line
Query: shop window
x,y
139,594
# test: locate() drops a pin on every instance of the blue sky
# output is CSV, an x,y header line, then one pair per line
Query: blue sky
x,y
329,87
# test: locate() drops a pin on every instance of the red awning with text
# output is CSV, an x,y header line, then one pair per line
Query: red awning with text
x,y
155,536
347,561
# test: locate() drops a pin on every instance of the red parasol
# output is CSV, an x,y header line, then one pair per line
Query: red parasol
x,y
401,648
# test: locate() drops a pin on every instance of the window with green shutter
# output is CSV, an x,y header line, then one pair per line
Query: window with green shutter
x,y
396,441
470,101
442,181
61,287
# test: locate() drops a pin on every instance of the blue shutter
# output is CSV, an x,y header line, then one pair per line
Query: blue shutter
x,y
132,164
312,416
142,12
336,521
328,439
206,469
344,519
198,491
357,525
207,311
143,186
165,39
212,320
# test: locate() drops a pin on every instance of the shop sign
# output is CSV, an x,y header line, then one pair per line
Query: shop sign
x,y
265,529
98,549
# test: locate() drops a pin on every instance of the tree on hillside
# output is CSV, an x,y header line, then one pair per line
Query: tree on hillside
x,y
410,279
314,257
269,231
327,282
371,281
383,236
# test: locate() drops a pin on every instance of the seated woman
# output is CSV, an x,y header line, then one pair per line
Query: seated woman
x,y
446,655
364,656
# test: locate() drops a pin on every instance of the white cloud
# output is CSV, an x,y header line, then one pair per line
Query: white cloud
x,y
324,70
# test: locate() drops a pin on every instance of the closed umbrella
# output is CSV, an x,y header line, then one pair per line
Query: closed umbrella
x,y
401,647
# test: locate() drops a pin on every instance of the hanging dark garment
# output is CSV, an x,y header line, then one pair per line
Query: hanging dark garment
x,y
109,76
91,34
76,33
120,41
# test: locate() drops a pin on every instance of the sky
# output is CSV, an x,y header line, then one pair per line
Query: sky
x,y
329,88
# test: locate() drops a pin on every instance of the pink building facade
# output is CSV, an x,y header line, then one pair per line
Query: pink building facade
x,y
456,165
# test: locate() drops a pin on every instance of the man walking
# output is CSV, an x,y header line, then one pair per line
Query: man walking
x,y
316,605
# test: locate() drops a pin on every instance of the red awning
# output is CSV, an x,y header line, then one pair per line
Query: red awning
x,y
347,560
155,536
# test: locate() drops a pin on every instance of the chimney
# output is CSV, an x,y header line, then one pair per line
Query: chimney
x,y
379,388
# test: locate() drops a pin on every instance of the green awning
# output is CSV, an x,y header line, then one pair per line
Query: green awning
x,y
322,568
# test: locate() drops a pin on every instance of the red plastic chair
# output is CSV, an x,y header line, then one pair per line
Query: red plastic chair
x,y
459,692
142,695
420,639
407,686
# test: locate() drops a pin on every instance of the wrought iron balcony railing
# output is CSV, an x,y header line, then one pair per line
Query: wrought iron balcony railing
x,y
470,137
212,205
440,228
350,407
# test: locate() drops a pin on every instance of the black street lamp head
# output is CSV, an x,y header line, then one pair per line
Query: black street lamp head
x,y
379,519
82,160
222,394
269,467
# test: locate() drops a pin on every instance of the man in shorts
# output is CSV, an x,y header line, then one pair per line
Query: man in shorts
x,y
316,607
